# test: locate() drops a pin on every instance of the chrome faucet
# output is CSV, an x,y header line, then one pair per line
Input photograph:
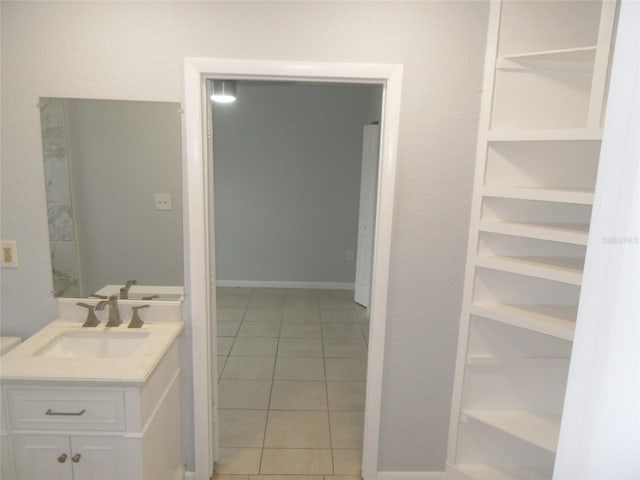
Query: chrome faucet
x,y
124,291
114,314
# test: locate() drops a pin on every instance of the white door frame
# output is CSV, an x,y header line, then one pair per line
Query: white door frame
x,y
200,305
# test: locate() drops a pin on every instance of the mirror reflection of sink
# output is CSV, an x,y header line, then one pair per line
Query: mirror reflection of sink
x,y
145,292
93,344
155,296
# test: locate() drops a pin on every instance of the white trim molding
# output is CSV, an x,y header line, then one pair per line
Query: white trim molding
x,y
269,284
199,286
417,476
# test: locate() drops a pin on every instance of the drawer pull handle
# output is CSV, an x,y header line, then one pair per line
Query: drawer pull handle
x,y
66,414
62,458
76,458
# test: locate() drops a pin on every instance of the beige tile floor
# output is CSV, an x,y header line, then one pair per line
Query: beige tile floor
x,y
291,377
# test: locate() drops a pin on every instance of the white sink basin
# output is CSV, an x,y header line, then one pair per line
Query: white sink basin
x,y
65,351
93,344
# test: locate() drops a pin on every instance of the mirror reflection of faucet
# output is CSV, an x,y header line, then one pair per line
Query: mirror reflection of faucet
x,y
114,314
124,291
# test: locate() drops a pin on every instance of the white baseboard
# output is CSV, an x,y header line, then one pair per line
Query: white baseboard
x,y
387,476
181,473
269,284
415,476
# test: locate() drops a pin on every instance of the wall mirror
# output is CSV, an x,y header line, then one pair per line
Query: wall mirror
x,y
114,196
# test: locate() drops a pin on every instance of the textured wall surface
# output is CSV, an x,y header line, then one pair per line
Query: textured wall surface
x,y
135,51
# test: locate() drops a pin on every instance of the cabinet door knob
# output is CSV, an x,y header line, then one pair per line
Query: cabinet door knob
x,y
76,458
62,458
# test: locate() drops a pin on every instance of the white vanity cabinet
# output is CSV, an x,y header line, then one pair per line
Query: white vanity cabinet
x,y
78,431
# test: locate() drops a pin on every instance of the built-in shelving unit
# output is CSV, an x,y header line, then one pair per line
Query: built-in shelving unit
x,y
536,167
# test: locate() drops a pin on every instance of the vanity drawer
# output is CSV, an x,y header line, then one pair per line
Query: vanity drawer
x,y
66,409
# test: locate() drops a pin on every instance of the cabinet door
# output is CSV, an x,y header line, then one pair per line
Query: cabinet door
x,y
7,471
42,457
98,458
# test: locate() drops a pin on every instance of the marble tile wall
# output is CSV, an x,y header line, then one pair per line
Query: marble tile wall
x,y
62,237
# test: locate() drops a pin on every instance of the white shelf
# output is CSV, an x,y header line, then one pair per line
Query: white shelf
x,y
573,233
553,320
559,269
535,429
502,472
493,361
580,58
545,135
581,196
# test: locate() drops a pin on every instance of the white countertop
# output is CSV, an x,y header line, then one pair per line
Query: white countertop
x,y
7,343
20,364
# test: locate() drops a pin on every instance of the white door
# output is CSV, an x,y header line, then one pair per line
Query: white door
x,y
42,457
367,215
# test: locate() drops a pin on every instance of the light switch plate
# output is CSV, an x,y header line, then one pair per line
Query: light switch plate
x,y
9,257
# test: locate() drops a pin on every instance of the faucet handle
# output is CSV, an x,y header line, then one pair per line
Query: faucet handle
x,y
124,291
136,321
92,320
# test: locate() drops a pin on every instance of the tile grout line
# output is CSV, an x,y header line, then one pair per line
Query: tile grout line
x,y
273,377
226,357
326,389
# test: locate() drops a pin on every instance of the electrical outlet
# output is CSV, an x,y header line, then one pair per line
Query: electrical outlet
x,y
162,201
9,254
349,254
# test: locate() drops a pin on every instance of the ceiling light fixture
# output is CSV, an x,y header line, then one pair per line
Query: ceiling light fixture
x,y
224,91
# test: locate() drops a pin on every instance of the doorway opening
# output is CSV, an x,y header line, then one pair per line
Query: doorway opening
x,y
201,259
294,182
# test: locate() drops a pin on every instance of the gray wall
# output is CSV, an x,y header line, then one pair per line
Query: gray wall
x,y
287,181
121,154
135,51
